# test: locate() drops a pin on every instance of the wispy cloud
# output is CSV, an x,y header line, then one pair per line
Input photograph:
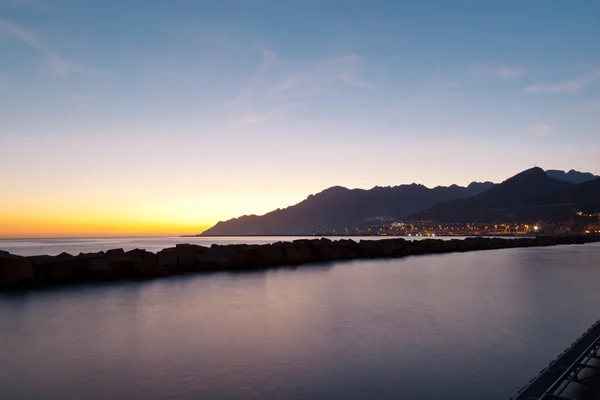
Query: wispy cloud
x,y
277,87
346,69
56,63
569,85
246,106
499,71
257,80
541,129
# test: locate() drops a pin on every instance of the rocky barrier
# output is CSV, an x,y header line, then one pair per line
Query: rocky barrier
x,y
18,272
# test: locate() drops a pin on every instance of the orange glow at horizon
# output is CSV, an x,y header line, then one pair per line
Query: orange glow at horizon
x,y
59,218
91,227
132,214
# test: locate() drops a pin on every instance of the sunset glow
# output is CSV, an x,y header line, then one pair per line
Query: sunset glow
x,y
207,111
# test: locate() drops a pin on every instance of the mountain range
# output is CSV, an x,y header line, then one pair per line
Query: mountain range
x,y
531,195
528,196
571,176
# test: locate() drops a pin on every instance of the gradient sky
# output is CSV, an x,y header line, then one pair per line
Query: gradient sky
x,y
163,117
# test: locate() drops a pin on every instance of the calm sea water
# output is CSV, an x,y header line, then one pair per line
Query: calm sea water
x,y
456,326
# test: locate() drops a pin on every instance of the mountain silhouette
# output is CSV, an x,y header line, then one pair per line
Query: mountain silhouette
x,y
531,195
571,176
342,210
527,196
583,196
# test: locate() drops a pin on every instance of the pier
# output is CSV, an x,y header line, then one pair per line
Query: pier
x,y
574,375
17,272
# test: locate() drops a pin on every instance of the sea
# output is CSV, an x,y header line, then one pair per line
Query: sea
x,y
476,325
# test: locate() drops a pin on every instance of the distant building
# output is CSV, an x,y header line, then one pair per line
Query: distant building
x,y
593,228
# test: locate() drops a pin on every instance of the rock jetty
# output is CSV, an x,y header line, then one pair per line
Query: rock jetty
x,y
18,272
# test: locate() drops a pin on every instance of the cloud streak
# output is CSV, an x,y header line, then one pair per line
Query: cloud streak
x,y
257,80
247,105
56,63
570,85
346,69
276,86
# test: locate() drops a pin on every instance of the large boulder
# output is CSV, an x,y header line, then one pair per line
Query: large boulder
x,y
186,254
430,246
324,251
99,269
71,269
394,247
196,247
15,270
141,254
471,244
497,243
115,252
345,252
247,257
306,242
298,252
169,258
54,270
272,254
122,266
145,269
347,249
97,254
451,245
383,248
214,260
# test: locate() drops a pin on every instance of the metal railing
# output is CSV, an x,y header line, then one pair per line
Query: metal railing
x,y
573,374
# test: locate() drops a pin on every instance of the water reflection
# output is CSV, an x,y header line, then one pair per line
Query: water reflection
x,y
478,325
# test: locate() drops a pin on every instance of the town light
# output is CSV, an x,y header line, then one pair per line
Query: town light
x,y
535,228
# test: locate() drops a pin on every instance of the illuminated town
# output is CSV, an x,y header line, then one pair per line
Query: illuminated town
x,y
382,226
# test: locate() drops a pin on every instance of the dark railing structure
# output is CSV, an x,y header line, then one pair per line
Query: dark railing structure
x,y
584,372
574,375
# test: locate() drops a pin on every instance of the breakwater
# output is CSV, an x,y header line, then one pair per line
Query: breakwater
x,y
18,272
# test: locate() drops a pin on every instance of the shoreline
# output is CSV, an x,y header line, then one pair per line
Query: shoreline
x,y
26,273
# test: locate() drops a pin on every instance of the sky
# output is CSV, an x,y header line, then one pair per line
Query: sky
x,y
165,116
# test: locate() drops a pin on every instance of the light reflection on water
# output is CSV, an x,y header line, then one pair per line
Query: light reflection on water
x,y
468,325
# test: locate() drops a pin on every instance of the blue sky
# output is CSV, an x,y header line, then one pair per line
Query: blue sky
x,y
238,107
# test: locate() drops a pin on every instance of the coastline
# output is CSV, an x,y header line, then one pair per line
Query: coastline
x,y
25,273
359,235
